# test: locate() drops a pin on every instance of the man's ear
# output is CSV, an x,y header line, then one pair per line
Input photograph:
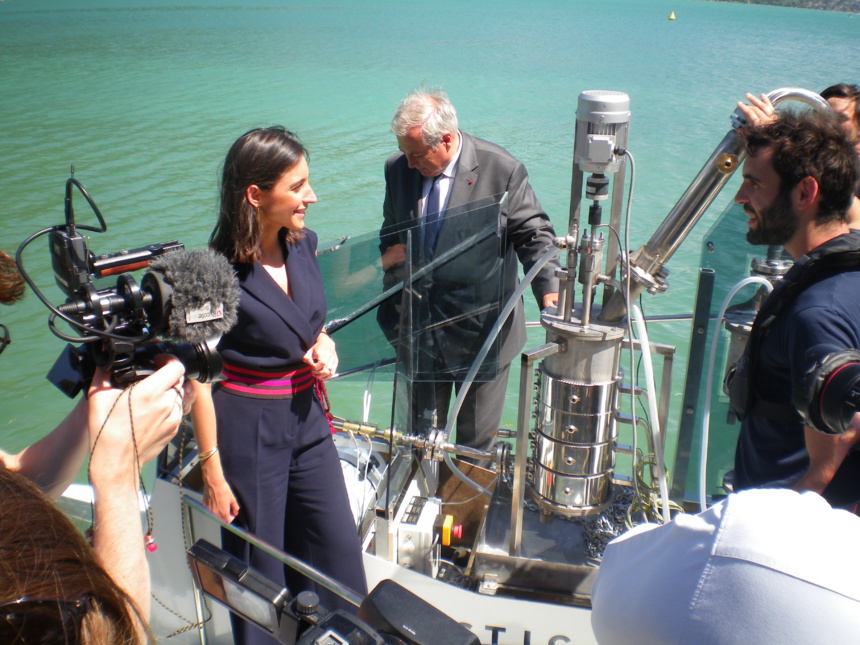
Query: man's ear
x,y
806,194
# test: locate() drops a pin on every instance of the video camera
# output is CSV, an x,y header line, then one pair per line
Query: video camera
x,y
187,296
828,394
389,614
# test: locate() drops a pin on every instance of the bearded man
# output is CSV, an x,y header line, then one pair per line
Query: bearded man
x,y
798,182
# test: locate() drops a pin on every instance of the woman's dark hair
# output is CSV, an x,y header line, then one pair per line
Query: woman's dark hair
x,y
845,91
259,157
809,144
43,556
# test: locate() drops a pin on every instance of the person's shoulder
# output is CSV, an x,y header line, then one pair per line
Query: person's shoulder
x,y
485,146
308,240
828,295
393,160
487,151
311,237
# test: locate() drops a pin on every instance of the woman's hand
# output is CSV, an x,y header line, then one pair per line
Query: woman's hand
x,y
217,495
322,357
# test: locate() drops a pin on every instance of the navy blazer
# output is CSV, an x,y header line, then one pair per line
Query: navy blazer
x,y
274,330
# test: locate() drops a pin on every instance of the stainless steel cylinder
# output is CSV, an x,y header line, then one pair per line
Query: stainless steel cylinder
x,y
569,495
580,460
573,442
575,413
590,354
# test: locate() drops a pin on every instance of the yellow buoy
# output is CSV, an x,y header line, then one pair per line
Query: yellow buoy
x,y
672,16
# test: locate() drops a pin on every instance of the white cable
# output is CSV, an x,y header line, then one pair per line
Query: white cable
x,y
651,395
706,417
479,360
625,257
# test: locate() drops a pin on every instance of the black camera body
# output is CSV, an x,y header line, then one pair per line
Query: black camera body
x,y
121,323
117,328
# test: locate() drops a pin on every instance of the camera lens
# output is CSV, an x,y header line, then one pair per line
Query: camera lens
x,y
201,363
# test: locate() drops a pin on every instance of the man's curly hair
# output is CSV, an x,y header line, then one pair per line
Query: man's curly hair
x,y
809,144
11,282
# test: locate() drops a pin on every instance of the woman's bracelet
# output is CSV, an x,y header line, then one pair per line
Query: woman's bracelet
x,y
203,456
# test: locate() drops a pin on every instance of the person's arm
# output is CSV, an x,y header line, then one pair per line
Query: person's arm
x,y
217,495
322,357
124,436
53,462
393,257
759,110
815,333
530,231
392,248
826,454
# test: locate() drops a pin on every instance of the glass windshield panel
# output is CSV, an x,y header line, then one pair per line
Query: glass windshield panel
x,y
426,318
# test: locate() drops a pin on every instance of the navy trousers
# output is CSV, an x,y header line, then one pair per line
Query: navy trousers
x,y
283,467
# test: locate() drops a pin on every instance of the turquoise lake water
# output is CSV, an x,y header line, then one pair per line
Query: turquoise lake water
x,y
145,98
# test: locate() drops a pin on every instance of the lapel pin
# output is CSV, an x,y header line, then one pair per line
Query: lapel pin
x,y
470,182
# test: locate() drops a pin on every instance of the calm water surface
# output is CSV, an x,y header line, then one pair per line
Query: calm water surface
x,y
145,100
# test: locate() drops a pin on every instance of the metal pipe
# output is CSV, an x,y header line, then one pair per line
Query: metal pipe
x,y
341,590
713,176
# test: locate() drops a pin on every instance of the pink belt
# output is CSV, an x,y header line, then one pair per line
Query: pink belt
x,y
266,384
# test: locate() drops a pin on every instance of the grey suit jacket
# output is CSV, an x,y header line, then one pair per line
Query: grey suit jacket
x,y
484,172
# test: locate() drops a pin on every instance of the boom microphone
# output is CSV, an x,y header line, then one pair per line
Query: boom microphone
x,y
195,296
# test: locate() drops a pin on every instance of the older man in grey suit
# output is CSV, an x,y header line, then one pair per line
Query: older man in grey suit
x,y
444,185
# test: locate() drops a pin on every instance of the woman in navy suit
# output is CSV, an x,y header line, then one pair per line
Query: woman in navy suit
x,y
267,454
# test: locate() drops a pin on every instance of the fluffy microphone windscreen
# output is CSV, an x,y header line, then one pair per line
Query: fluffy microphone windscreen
x,y
203,294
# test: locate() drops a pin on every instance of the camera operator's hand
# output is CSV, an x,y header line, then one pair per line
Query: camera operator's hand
x,y
826,454
157,407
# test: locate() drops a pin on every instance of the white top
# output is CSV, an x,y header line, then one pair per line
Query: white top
x,y
762,566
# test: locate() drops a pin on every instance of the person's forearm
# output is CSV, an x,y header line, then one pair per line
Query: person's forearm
x,y
206,433
53,462
826,454
815,480
118,537
203,418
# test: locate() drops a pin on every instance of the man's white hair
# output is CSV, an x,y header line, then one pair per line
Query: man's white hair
x,y
429,109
